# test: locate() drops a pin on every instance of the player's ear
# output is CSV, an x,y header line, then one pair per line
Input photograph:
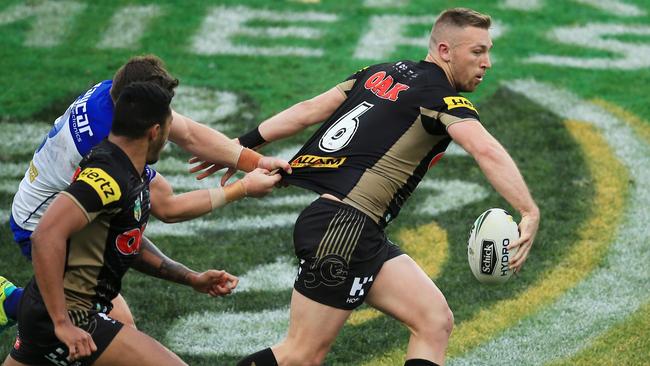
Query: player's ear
x,y
154,131
444,51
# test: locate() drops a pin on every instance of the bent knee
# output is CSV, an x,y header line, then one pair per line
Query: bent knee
x,y
434,322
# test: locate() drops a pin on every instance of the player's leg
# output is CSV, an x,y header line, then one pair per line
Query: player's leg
x,y
122,312
404,291
132,347
11,362
312,330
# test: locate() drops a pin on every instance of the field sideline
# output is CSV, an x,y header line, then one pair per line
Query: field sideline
x,y
567,96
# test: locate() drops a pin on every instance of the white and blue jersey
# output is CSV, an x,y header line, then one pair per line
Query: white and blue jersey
x,y
85,123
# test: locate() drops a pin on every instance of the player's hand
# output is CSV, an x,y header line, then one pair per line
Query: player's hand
x,y
271,163
79,342
260,182
214,282
527,232
204,168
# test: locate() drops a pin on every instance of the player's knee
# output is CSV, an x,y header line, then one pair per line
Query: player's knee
x,y
434,323
300,355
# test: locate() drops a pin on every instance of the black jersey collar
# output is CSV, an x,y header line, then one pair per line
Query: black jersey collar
x,y
122,158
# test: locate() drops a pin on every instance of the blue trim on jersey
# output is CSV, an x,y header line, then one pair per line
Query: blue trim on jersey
x,y
91,117
150,172
22,238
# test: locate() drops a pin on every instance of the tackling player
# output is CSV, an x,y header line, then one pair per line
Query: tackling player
x,y
385,126
89,237
84,124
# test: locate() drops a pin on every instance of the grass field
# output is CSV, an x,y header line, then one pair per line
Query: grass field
x,y
567,96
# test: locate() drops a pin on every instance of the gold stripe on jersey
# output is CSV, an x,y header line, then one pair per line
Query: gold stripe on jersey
x,y
445,118
84,262
378,185
106,187
346,86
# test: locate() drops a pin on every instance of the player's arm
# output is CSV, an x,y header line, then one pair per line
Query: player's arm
x,y
151,261
169,207
503,174
210,145
295,119
284,124
49,241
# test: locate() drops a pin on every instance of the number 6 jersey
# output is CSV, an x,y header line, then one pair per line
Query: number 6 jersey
x,y
377,146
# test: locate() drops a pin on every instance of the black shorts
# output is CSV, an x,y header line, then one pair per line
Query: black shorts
x,y
341,250
36,343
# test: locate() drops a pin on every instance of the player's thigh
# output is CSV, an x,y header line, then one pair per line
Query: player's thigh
x,y
403,290
310,321
121,311
11,362
132,347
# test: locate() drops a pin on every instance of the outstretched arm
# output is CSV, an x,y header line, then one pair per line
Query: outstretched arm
x,y
215,147
502,173
284,124
169,207
153,262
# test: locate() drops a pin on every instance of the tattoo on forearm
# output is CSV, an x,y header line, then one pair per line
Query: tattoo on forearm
x,y
153,262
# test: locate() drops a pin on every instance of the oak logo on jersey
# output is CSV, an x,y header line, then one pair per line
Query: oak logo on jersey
x,y
105,186
313,161
459,102
382,86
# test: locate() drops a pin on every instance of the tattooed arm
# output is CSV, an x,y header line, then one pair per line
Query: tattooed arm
x,y
153,262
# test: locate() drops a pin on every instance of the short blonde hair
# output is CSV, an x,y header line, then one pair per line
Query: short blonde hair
x,y
457,17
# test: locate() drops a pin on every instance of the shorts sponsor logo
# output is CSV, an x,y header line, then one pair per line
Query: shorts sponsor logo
x,y
313,161
459,102
105,186
331,270
488,257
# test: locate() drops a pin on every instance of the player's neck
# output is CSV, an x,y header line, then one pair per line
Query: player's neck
x,y
135,149
443,65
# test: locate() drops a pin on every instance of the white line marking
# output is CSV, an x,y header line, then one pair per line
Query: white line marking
x,y
227,332
128,25
207,226
275,276
222,24
52,20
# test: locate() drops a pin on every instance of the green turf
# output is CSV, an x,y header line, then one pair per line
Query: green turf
x,y
38,83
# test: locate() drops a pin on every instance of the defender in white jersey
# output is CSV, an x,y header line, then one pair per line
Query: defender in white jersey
x,y
87,121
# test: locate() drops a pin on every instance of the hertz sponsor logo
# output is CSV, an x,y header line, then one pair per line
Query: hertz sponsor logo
x,y
459,102
105,186
313,161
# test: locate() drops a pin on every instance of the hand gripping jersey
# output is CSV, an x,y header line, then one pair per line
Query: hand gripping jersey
x,y
85,123
377,146
115,199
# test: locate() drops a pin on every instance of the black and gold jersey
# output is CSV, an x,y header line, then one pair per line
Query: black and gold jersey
x,y
377,146
115,199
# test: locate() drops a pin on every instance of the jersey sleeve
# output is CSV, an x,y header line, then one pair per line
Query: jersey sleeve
x,y
447,108
94,190
346,85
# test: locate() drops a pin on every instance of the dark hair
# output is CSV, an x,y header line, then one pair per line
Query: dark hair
x,y
464,17
142,68
140,106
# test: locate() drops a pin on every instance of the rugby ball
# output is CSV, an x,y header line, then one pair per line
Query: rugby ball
x,y
487,254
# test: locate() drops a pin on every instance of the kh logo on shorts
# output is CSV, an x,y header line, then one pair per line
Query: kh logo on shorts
x,y
357,290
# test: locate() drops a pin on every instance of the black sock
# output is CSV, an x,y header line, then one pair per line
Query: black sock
x,y
419,362
264,357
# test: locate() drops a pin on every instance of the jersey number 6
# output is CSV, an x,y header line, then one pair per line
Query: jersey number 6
x,y
341,132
